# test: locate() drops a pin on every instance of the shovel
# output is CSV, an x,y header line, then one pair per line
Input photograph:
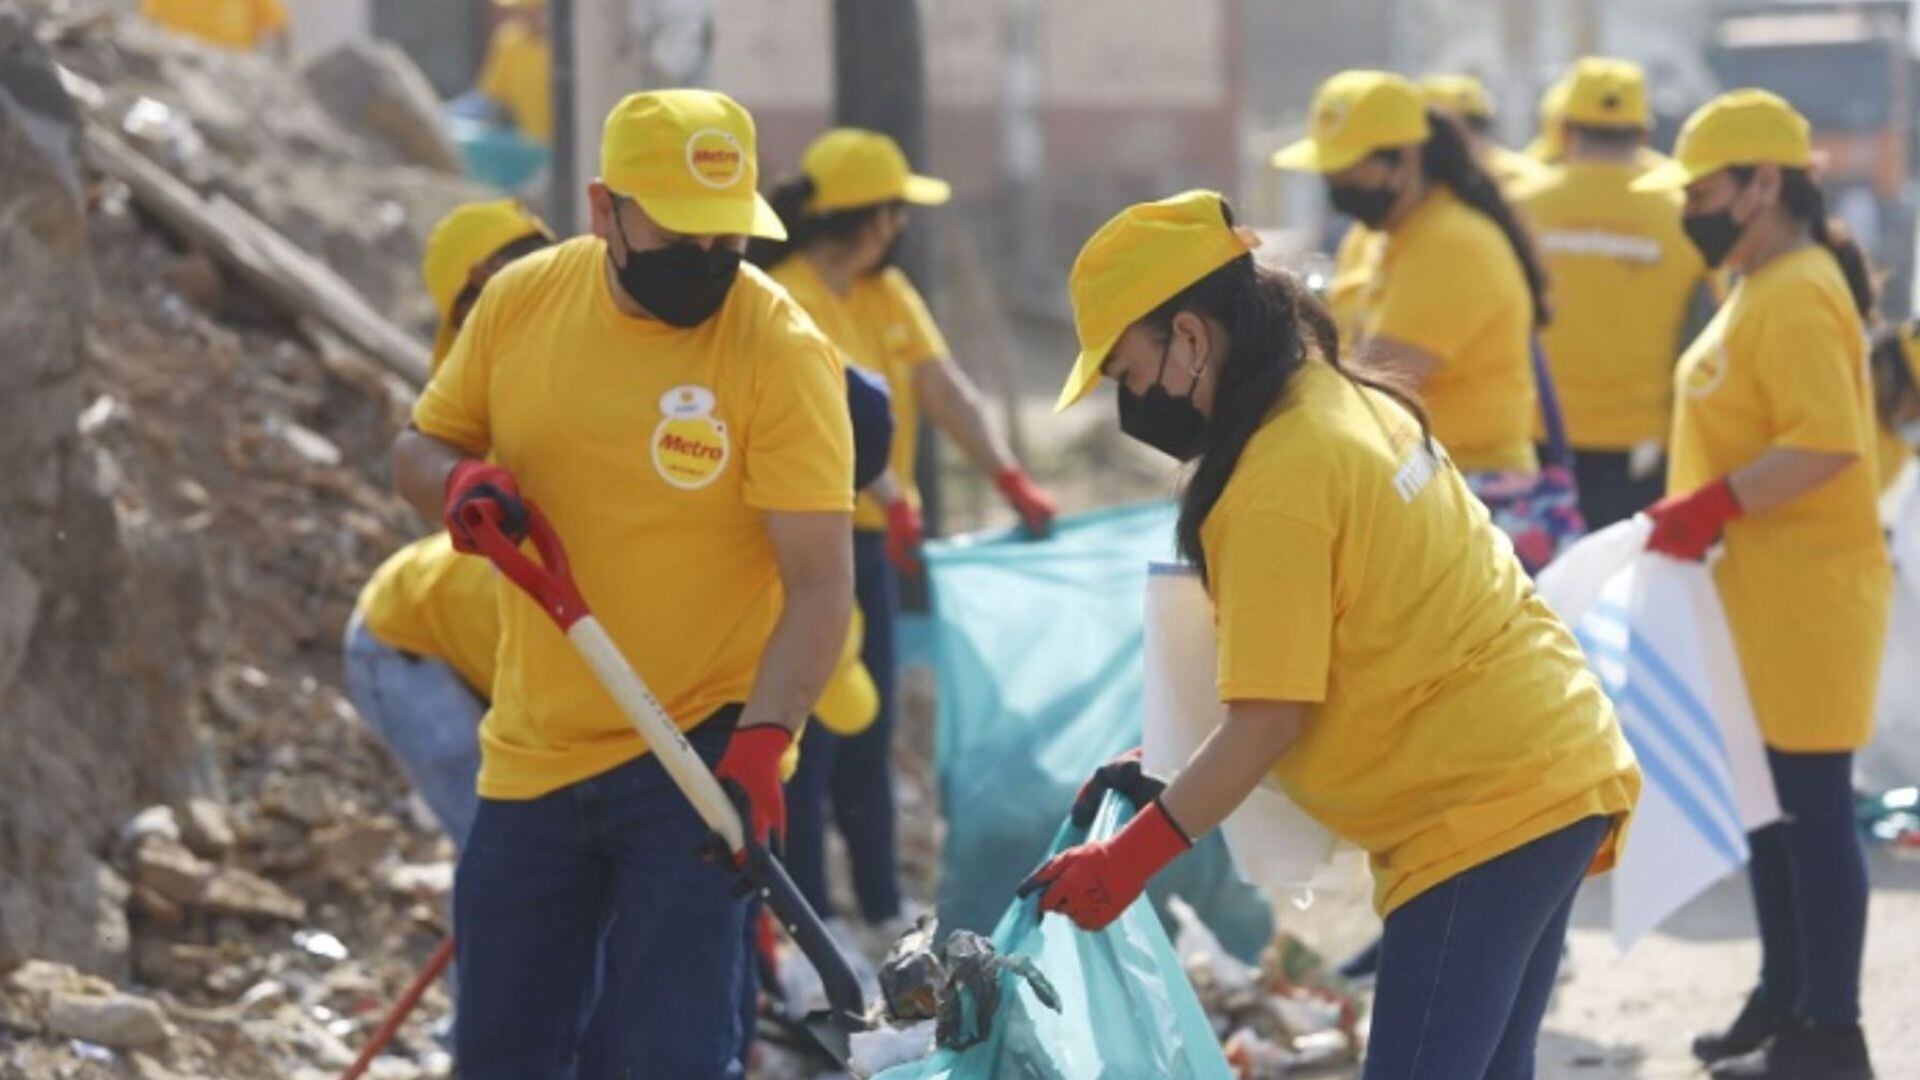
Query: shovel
x,y
550,583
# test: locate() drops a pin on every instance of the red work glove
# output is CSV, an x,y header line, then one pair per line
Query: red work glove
x,y
752,764
1685,526
905,533
493,489
1094,883
1035,507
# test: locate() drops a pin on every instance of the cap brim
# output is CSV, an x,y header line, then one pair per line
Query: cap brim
x,y
927,191
1669,175
715,216
1307,155
1085,375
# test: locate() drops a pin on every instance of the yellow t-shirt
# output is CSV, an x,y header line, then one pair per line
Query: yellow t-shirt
x,y
1511,168
1446,281
1806,585
1454,717
236,24
884,326
656,452
1624,277
430,600
518,73
1353,266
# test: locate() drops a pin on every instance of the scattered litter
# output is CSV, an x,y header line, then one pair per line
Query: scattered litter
x,y
320,943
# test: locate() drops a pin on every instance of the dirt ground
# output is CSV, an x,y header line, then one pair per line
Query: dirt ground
x,y
1631,1017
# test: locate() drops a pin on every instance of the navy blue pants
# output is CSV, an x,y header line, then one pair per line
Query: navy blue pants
x,y
1809,878
853,775
590,901
1467,967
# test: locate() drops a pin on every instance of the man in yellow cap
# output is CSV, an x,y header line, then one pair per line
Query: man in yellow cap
x,y
1466,98
517,73
234,24
1625,279
684,426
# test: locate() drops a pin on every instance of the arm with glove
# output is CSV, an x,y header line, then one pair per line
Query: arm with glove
x,y
953,403
1687,526
1092,884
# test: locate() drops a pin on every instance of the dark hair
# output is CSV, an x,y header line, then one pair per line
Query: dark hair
x,y
1892,379
1806,204
1479,124
789,200
1608,138
506,253
1448,159
1276,325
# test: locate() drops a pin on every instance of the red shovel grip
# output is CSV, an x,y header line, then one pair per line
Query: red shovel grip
x,y
549,581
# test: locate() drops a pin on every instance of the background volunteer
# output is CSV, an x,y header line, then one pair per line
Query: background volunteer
x,y
1382,653
1443,288
420,646
1549,145
1895,365
1466,100
236,24
1773,446
684,426
517,72
845,215
1625,281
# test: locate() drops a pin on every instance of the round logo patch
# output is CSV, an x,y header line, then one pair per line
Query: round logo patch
x,y
1705,377
715,159
690,447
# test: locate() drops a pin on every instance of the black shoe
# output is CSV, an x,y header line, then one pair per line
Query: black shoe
x,y
1804,1052
1758,1021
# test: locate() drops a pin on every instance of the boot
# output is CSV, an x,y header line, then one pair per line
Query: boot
x,y
1804,1052
1758,1021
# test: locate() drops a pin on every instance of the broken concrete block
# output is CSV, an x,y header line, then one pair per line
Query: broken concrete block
x,y
168,869
118,1020
206,828
234,891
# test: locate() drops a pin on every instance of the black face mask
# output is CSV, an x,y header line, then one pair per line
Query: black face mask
x,y
889,258
1713,234
682,284
1174,426
1367,205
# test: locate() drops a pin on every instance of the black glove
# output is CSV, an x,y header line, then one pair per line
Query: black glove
x,y
1124,775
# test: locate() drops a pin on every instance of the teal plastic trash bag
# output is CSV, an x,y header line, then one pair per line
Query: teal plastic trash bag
x,y
497,155
1037,653
1126,1008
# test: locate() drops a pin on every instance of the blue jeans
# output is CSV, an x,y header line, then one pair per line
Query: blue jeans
x,y
1467,967
602,875
854,774
1809,879
427,716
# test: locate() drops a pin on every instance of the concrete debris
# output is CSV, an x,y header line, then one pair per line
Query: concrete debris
x,y
374,87
207,828
118,1020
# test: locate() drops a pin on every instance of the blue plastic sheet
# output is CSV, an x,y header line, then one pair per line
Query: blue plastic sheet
x,y
1037,652
1126,1008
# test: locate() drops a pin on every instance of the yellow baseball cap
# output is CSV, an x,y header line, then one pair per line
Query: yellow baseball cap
x,y
688,158
468,236
1603,92
1461,95
1550,145
850,168
1740,127
1354,114
1139,260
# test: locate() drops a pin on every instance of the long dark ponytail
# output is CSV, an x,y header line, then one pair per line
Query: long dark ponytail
x,y
789,198
1448,159
1806,204
1276,325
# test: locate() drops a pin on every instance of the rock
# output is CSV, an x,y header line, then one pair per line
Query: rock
x,y
174,965
206,828
306,799
169,870
118,1020
43,978
419,881
348,851
373,87
234,891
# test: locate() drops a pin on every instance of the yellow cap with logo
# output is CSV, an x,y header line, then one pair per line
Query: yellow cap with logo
x,y
1461,95
1740,127
1609,93
467,237
1139,260
1356,113
852,168
688,158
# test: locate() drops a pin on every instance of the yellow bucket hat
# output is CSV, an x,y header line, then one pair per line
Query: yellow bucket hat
x,y
850,168
1354,114
1139,260
465,238
1740,127
688,158
1461,95
1603,92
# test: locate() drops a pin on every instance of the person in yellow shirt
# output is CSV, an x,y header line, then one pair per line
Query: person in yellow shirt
x,y
845,214
1451,287
1382,655
234,24
517,73
1773,459
1895,364
1467,100
1625,284
683,425
1549,145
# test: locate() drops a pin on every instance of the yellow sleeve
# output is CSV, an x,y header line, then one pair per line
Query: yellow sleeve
x,y
1272,578
496,80
454,406
1806,373
1433,298
799,438
912,337
269,18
